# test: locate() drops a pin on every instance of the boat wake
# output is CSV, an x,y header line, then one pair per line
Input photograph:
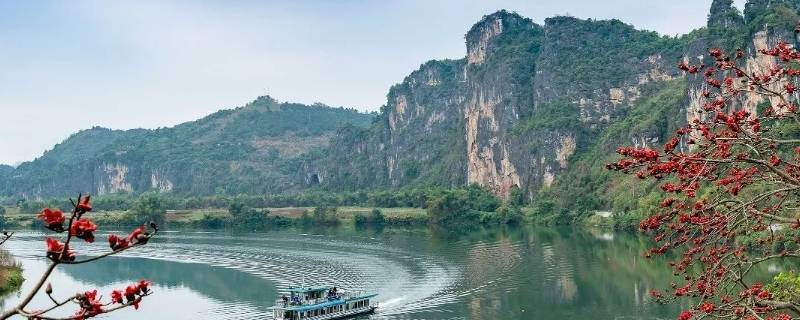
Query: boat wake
x,y
402,279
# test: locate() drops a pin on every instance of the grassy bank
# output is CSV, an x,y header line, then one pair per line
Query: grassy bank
x,y
344,215
10,273
189,217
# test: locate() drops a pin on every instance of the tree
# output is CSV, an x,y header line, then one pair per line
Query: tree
x,y
89,303
376,217
148,207
731,179
326,216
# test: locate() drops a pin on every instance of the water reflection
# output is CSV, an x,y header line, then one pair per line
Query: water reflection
x,y
503,273
213,282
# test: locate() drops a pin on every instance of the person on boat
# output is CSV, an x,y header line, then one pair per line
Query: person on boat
x,y
285,300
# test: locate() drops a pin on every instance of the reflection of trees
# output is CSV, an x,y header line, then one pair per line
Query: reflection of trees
x,y
215,282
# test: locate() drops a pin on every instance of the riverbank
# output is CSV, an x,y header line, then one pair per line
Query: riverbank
x,y
400,216
10,279
10,273
344,215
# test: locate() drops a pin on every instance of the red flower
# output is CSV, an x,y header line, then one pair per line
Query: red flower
x,y
143,284
90,305
54,245
715,52
138,235
685,315
53,219
774,160
790,88
713,82
117,243
134,292
116,296
669,146
54,249
83,229
131,291
84,205
91,295
707,307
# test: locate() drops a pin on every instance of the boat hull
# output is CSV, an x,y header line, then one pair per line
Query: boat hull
x,y
344,315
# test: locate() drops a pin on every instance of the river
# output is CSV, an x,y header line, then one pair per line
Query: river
x,y
420,273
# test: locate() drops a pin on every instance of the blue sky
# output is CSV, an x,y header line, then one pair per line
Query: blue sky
x,y
71,65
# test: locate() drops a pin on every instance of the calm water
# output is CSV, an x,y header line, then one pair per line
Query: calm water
x,y
514,273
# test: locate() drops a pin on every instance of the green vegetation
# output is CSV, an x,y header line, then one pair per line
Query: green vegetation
x,y
376,218
462,206
148,207
258,148
595,59
650,121
10,273
785,287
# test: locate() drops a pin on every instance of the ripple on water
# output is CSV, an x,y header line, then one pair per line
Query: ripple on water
x,y
403,279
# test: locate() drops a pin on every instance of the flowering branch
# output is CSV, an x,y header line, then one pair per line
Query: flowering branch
x,y
732,181
77,226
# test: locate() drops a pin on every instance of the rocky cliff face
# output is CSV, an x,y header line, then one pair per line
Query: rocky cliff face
x,y
512,113
763,25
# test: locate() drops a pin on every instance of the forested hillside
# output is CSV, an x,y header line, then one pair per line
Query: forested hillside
x,y
258,148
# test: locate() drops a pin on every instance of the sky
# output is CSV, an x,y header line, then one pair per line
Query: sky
x,y
71,65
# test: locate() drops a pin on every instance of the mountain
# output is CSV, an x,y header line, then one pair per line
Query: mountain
x,y
258,148
511,114
532,112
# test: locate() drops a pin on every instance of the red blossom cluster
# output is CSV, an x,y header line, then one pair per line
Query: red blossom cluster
x,y
137,236
76,225
727,173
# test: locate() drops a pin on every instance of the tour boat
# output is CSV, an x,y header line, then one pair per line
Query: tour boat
x,y
322,303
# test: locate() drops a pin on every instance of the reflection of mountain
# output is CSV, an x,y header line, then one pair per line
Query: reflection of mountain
x,y
540,273
215,282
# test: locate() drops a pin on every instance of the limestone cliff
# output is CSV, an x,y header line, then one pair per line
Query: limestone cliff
x,y
508,116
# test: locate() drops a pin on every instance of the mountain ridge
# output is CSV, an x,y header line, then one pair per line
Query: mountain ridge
x,y
264,137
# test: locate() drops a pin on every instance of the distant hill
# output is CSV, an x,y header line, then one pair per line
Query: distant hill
x,y
258,148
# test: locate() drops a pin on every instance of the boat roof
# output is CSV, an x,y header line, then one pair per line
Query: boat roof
x,y
307,307
309,289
